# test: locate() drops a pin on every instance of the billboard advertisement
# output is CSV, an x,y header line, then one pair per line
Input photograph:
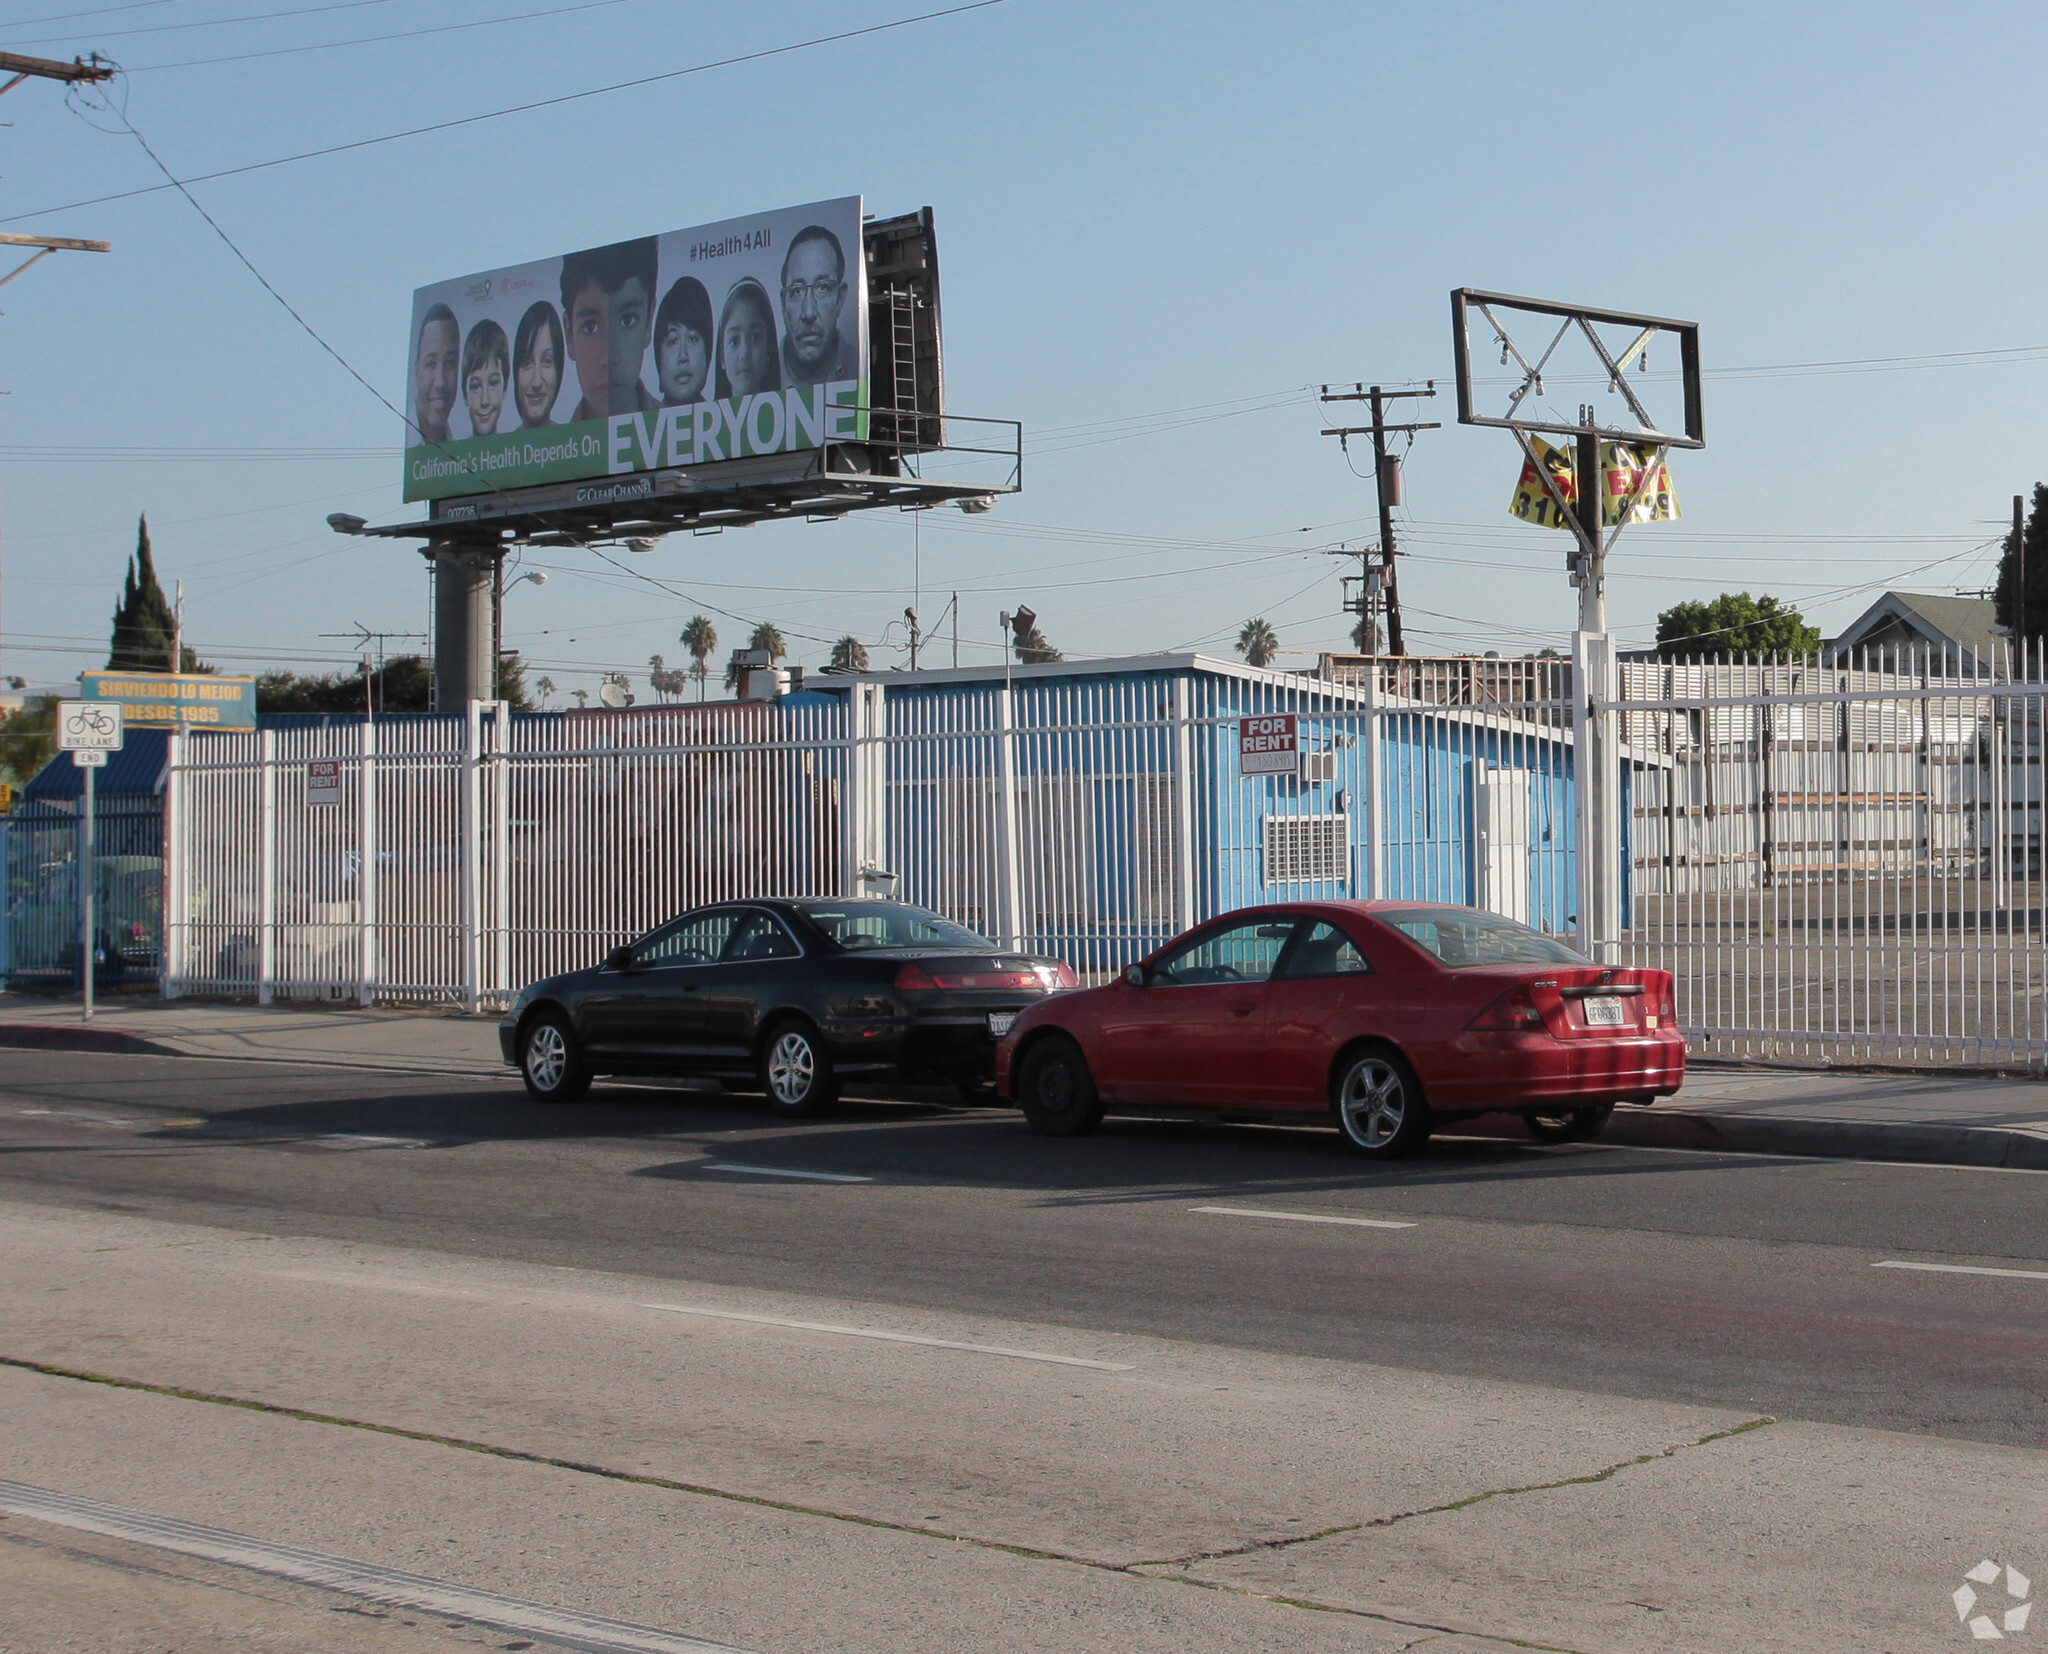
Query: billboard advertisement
x,y
727,341
166,698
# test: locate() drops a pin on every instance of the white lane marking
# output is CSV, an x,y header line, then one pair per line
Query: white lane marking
x,y
386,1586
1299,1217
73,1114
1964,1269
349,1139
783,1171
898,1338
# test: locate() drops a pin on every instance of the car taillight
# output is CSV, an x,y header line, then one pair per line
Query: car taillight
x,y
1056,977
914,977
1515,1009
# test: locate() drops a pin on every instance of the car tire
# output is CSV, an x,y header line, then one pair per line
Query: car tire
x,y
551,1060
1056,1091
1380,1107
1577,1125
796,1072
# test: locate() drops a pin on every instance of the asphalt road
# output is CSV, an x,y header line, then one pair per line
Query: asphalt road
x,y
1731,1281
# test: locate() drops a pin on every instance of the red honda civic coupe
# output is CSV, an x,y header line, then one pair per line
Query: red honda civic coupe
x,y
1394,1016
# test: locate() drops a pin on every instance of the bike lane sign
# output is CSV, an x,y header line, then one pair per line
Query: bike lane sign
x,y
89,726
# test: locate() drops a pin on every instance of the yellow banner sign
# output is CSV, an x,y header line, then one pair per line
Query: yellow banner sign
x,y
1627,473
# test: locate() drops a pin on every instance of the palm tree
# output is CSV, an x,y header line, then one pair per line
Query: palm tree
x,y
1258,643
581,696
849,654
1033,650
546,686
1365,636
765,638
700,637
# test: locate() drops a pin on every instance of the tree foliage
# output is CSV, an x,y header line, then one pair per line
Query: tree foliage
x,y
700,637
143,621
849,654
1734,624
1034,650
2025,614
28,736
406,684
1258,642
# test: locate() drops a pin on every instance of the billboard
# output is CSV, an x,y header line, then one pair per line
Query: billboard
x,y
727,341
167,698
1637,482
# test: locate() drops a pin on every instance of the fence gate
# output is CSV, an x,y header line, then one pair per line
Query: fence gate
x,y
1841,863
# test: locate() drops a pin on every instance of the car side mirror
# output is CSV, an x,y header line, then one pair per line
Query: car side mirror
x,y
619,959
1134,976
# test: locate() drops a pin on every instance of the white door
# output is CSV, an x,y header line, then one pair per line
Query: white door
x,y
1503,829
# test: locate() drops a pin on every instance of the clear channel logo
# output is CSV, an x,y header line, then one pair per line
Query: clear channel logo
x,y
1992,1626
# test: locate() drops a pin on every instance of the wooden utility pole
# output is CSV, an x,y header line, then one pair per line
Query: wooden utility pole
x,y
1387,484
73,73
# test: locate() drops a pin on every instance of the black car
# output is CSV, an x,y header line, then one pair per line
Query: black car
x,y
795,995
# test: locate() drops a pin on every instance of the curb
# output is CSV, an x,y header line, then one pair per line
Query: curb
x,y
42,1036
1994,1146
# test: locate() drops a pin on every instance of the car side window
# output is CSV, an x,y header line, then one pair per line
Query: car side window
x,y
1242,953
1324,950
697,939
761,936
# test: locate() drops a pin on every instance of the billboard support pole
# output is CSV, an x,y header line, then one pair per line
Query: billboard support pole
x,y
462,626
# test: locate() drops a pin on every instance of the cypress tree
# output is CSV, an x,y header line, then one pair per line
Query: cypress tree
x,y
143,622
2025,614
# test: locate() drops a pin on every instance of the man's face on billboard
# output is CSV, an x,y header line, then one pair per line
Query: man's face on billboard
x,y
483,393
434,371
608,342
813,290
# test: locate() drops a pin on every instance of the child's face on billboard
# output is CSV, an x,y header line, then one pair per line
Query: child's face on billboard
x,y
608,342
483,393
682,361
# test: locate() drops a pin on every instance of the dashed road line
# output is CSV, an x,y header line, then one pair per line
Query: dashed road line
x,y
897,1338
1964,1269
1299,1217
387,1587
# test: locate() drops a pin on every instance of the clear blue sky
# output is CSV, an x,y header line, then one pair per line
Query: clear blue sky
x,y
1143,208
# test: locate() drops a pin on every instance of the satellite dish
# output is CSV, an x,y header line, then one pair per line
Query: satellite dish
x,y
614,694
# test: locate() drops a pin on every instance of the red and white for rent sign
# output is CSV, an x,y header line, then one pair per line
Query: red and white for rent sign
x,y
1270,745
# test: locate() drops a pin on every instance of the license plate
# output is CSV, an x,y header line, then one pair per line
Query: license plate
x,y
1001,1022
1606,1013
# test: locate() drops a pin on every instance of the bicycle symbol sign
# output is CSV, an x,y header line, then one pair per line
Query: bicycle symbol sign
x,y
89,726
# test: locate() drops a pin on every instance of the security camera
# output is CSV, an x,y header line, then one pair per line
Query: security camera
x,y
342,523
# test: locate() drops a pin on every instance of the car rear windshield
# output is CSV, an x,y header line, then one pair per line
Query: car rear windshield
x,y
857,925
1466,936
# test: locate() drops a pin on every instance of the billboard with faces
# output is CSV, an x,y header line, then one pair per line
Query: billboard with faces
x,y
723,342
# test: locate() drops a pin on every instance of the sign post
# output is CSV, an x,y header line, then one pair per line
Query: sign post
x,y
88,730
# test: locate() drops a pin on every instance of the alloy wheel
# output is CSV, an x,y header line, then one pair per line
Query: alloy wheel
x,y
547,1056
1374,1102
792,1068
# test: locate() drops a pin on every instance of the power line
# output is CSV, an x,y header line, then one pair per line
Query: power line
x,y
210,23
375,39
521,109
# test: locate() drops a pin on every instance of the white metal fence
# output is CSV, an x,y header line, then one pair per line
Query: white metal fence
x,y
1092,818
1840,861
1834,862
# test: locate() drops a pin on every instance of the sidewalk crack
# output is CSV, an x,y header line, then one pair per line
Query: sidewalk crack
x,y
1290,1541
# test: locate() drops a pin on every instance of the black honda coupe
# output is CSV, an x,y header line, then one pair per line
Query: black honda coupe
x,y
793,996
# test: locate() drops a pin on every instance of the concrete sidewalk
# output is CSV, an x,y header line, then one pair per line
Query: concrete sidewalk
x,y
1964,1120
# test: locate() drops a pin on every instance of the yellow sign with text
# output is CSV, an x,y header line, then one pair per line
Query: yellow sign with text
x,y
1636,486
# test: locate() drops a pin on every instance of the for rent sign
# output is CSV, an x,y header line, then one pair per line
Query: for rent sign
x,y
1270,745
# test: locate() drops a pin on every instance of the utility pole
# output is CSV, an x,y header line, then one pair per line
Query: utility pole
x,y
1387,484
916,637
2019,583
74,73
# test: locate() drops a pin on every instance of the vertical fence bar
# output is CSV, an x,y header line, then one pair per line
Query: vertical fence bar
x,y
367,956
170,926
266,868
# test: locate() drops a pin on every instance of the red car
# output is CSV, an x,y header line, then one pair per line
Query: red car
x,y
1395,1016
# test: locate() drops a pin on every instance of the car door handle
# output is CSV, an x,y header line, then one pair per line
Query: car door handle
x,y
689,987
1242,1010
